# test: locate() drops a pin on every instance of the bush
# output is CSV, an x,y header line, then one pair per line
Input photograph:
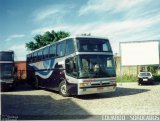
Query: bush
x,y
157,78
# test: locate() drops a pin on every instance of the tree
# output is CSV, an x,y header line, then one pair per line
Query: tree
x,y
152,69
45,39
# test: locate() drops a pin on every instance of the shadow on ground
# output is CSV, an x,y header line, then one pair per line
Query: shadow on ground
x,y
119,92
40,108
148,84
18,87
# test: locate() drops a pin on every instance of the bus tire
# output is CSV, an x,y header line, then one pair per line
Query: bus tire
x,y
63,89
36,84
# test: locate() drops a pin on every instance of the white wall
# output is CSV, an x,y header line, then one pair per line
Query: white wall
x,y
139,53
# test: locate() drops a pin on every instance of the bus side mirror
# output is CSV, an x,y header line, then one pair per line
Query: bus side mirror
x,y
69,64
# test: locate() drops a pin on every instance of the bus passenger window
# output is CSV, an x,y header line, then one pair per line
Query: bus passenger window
x,y
35,56
31,57
52,50
61,48
45,52
69,47
40,54
28,57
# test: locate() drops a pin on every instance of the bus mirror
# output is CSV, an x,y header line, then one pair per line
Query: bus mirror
x,y
96,68
71,64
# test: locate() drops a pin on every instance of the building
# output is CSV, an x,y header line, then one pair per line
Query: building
x,y
20,67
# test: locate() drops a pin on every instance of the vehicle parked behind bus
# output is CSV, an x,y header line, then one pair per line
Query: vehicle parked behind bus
x,y
145,78
73,66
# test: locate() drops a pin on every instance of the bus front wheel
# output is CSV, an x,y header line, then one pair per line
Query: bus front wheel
x,y
63,89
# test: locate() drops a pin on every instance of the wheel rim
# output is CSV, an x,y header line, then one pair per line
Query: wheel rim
x,y
63,89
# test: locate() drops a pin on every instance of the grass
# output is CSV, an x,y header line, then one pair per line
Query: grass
x,y
127,78
133,78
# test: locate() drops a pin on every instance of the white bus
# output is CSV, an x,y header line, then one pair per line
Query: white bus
x,y
73,66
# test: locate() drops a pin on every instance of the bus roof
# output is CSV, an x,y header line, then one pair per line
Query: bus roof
x,y
6,51
70,37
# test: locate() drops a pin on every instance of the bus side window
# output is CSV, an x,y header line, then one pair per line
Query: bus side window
x,y
34,56
69,47
61,48
29,57
52,50
39,55
46,52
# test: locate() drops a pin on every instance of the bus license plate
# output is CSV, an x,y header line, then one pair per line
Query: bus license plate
x,y
99,89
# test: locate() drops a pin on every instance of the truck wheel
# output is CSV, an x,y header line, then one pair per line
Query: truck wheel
x,y
152,83
139,83
63,89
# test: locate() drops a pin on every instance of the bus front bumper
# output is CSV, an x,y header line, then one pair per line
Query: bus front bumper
x,y
94,90
6,83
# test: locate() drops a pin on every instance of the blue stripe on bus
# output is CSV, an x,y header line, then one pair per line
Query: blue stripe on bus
x,y
45,73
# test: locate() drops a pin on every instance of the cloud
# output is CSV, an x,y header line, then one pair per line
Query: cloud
x,y
15,36
42,15
73,29
102,28
41,30
116,31
98,6
45,13
50,13
20,51
139,21
17,47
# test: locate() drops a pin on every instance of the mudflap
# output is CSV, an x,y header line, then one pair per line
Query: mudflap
x,y
72,88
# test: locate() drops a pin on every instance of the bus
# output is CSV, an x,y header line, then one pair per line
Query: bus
x,y
6,69
76,65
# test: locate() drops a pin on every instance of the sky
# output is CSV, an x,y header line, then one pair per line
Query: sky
x,y
117,20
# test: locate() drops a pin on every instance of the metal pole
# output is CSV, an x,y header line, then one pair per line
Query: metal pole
x,y
120,62
159,53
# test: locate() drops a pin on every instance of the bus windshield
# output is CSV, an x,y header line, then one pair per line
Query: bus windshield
x,y
6,70
6,56
96,66
93,45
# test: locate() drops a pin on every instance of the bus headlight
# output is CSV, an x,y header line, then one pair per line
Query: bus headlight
x,y
81,84
84,84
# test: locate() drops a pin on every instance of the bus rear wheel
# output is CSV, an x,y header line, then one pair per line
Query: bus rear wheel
x,y
63,89
36,84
